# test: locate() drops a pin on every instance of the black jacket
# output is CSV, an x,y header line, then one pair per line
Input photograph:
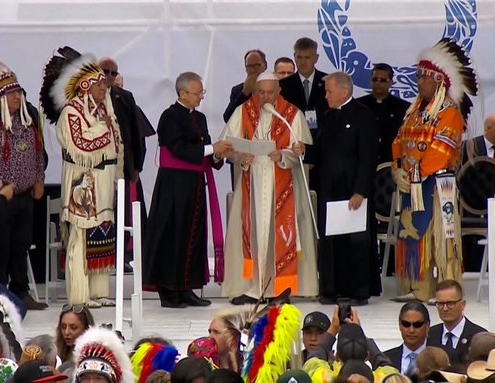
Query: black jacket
x,y
460,355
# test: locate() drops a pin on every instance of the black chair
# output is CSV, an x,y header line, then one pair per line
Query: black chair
x,y
475,182
385,201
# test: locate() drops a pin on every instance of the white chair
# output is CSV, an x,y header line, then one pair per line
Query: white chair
x,y
53,247
483,275
32,281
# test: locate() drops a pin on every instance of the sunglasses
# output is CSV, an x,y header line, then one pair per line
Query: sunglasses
x,y
407,324
110,72
74,308
378,79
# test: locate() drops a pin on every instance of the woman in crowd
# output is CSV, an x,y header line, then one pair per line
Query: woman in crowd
x,y
72,323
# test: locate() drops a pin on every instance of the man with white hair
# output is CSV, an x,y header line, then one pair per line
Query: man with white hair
x,y
345,155
270,240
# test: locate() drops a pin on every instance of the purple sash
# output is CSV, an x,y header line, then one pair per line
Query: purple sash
x,y
167,160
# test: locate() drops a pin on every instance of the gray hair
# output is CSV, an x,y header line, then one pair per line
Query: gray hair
x,y
184,79
342,80
47,344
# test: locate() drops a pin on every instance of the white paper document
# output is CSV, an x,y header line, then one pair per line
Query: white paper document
x,y
341,220
254,147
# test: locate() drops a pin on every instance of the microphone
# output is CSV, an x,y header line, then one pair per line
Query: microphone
x,y
271,109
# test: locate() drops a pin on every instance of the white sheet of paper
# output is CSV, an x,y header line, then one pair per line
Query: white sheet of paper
x,y
341,220
254,147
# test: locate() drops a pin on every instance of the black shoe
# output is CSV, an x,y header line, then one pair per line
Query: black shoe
x,y
324,300
359,302
192,299
31,304
243,300
173,304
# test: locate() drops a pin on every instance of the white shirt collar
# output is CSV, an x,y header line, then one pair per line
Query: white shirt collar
x,y
456,331
406,350
310,78
488,144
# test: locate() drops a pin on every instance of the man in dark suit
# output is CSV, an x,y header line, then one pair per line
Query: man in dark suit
x,y
482,145
479,146
388,109
306,89
389,112
455,333
414,323
345,155
255,63
133,127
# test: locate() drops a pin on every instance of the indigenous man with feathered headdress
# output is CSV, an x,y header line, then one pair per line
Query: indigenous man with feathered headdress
x,y
426,152
74,96
22,175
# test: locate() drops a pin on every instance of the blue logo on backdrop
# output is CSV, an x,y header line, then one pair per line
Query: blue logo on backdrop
x,y
341,48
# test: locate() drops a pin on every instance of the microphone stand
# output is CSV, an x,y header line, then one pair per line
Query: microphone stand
x,y
271,109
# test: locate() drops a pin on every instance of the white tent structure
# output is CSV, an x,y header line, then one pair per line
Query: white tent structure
x,y
155,40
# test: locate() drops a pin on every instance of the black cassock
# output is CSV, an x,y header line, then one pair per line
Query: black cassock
x,y
175,251
389,114
345,153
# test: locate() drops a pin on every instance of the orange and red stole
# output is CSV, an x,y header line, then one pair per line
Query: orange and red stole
x,y
285,245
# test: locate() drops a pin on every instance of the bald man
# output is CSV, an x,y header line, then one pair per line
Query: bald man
x,y
481,145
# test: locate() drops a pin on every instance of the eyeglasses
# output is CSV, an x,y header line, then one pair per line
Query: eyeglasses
x,y
407,324
197,94
379,79
109,72
253,66
449,304
74,308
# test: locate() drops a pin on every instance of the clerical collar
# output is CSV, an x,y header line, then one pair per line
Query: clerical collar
x,y
348,101
189,109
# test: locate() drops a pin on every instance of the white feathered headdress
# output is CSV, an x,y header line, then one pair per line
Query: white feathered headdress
x,y
448,64
101,351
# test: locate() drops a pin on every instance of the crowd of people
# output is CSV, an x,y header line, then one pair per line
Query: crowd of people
x,y
268,345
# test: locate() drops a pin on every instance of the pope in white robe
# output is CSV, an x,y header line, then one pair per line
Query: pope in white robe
x,y
270,241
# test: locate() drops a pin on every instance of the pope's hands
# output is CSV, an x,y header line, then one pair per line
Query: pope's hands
x,y
298,148
401,178
246,159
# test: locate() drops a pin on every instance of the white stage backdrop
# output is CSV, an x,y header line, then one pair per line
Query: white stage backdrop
x,y
154,41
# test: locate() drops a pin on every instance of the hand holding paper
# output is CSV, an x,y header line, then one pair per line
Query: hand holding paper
x,y
343,220
355,201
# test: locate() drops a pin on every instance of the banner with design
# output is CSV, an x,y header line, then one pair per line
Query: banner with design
x,y
155,40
